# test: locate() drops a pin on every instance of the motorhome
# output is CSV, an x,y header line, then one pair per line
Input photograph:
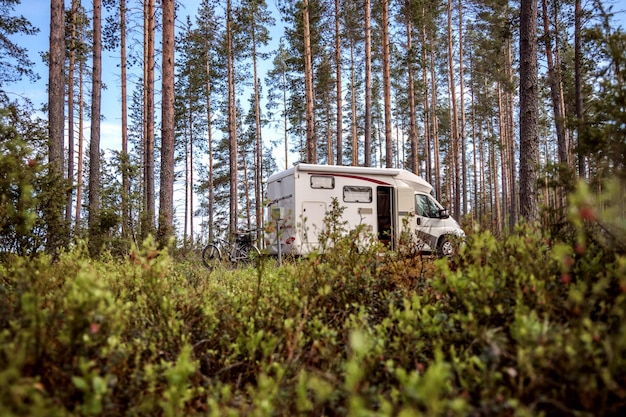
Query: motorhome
x,y
385,200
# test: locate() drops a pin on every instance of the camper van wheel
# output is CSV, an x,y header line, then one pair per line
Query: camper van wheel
x,y
446,246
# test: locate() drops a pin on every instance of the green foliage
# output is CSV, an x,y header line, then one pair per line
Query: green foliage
x,y
14,60
17,208
524,325
601,133
30,198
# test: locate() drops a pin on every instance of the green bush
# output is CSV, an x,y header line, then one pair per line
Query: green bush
x,y
524,325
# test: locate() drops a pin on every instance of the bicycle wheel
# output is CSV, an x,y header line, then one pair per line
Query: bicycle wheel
x,y
248,254
211,256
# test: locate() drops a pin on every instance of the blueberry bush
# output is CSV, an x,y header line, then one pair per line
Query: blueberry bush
x,y
528,324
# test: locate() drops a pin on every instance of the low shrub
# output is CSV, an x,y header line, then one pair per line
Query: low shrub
x,y
524,325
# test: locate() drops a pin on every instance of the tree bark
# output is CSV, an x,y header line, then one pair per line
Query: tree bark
x,y
339,93
387,85
554,77
79,168
435,127
94,143
513,193
475,212
414,156
209,116
426,104
578,82
367,134
454,124
462,130
311,145
149,191
504,151
70,109
166,188
355,143
56,86
125,159
232,122
258,153
529,141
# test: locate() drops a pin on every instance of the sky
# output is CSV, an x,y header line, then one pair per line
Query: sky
x,y
39,17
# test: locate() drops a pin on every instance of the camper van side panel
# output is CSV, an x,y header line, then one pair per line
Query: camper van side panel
x,y
356,194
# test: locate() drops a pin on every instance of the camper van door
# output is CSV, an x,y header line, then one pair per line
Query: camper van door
x,y
430,222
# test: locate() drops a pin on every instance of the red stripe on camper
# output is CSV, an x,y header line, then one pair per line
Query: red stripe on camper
x,y
358,177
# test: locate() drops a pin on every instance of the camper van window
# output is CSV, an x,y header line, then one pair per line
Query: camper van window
x,y
425,206
323,182
353,194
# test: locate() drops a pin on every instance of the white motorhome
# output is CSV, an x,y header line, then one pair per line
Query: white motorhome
x,y
380,198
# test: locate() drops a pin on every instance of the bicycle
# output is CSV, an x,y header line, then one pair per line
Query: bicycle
x,y
241,251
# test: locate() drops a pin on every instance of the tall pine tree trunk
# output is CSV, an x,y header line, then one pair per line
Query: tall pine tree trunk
x,y
426,105
258,153
285,119
414,156
504,149
555,85
529,96
355,146
475,212
70,109
387,85
232,122
454,124
166,188
435,127
311,145
79,168
462,130
367,135
188,165
209,116
513,193
339,133
53,213
578,57
126,222
149,191
56,86
94,143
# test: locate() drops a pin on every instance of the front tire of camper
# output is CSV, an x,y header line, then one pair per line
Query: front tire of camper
x,y
446,246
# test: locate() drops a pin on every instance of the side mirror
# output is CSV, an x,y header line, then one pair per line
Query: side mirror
x,y
443,214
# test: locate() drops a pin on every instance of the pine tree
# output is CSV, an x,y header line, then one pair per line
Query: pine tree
x,y
529,141
166,189
277,81
253,20
95,230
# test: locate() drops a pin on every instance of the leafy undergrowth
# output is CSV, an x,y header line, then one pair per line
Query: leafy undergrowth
x,y
518,326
